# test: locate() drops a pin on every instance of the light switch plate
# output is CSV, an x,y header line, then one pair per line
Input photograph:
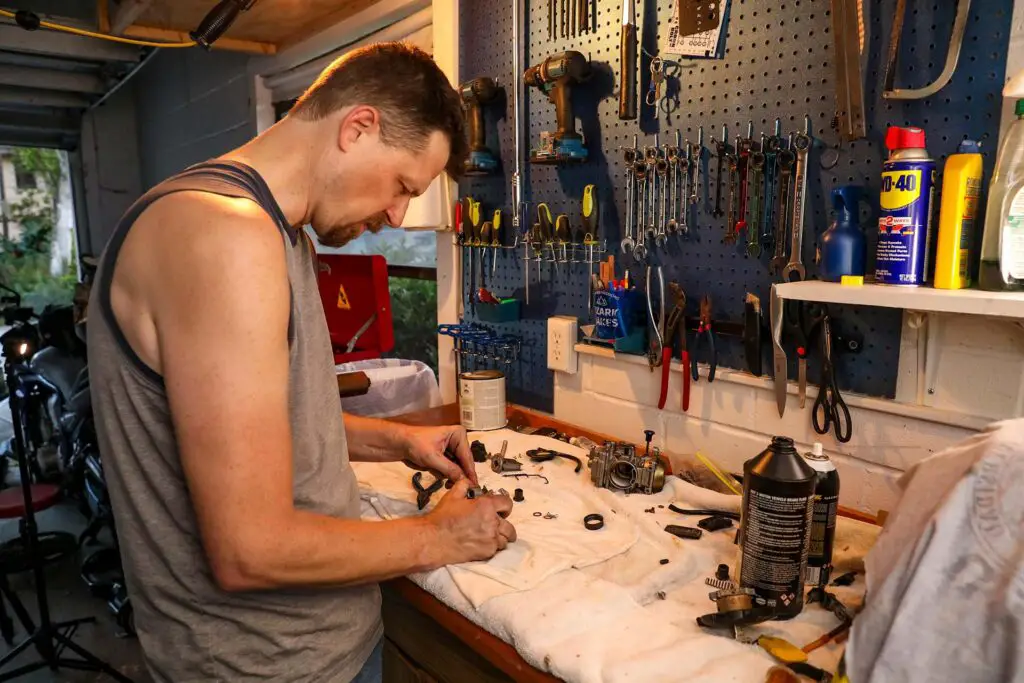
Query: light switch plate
x,y
562,338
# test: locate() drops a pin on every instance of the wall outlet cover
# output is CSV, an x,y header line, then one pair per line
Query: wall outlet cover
x,y
562,338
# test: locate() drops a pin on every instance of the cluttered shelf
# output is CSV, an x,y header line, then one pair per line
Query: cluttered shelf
x,y
925,299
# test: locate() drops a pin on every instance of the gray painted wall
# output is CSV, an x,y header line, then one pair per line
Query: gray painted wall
x,y
191,105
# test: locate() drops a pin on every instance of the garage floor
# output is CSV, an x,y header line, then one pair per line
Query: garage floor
x,y
70,599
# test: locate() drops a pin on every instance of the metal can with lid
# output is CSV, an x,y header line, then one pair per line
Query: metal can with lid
x,y
482,400
823,521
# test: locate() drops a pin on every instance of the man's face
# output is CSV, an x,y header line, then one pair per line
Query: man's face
x,y
367,184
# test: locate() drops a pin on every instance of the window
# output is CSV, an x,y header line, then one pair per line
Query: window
x,y
25,180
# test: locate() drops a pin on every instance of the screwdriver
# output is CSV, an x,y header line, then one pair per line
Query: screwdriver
x,y
495,239
589,214
546,224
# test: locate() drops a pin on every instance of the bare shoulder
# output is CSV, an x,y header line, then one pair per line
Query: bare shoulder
x,y
193,257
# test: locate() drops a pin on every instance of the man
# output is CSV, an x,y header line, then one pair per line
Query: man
x,y
224,446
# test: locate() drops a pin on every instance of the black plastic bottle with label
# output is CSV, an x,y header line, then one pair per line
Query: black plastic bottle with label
x,y
775,529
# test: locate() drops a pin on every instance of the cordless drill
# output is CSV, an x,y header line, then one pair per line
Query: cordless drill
x,y
475,94
555,76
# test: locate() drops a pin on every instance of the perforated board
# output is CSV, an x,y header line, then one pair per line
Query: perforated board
x,y
777,63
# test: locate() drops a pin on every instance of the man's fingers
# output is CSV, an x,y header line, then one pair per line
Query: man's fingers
x,y
502,505
459,488
506,530
502,542
458,443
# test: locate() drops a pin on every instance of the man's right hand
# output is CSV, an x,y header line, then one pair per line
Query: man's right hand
x,y
472,529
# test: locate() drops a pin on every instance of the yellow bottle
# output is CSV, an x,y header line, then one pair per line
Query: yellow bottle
x,y
961,189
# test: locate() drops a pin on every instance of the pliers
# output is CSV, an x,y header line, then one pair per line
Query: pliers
x,y
423,494
704,331
672,332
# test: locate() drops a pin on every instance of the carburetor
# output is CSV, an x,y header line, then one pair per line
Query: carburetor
x,y
617,466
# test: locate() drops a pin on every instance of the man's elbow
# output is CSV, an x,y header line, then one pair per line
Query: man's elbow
x,y
241,570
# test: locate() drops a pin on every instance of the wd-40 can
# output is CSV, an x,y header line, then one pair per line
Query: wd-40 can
x,y
823,521
905,218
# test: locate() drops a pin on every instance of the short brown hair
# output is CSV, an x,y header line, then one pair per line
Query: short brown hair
x,y
402,81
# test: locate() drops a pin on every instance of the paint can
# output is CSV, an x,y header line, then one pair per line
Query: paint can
x,y
482,400
775,526
823,523
905,203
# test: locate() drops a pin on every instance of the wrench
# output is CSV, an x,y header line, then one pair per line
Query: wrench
x,y
786,159
639,247
757,179
672,227
730,221
661,168
722,148
652,154
630,155
742,169
698,157
684,197
801,143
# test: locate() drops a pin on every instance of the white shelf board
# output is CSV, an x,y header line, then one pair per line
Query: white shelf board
x,y
926,299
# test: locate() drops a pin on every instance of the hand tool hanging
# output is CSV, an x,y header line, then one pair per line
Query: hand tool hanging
x,y
641,174
495,239
742,169
779,366
802,320
675,331
555,77
722,149
696,161
794,270
771,181
547,234
520,224
672,158
628,61
730,221
850,39
657,82
590,213
661,169
704,332
786,159
757,162
630,155
657,342
829,405
956,39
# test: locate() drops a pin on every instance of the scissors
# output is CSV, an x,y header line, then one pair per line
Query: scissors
x,y
802,319
834,415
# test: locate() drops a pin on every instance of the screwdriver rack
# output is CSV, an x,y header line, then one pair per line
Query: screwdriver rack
x,y
777,64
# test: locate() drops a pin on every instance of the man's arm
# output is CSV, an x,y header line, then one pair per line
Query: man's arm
x,y
443,450
220,305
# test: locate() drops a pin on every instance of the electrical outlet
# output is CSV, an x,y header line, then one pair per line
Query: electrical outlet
x,y
562,337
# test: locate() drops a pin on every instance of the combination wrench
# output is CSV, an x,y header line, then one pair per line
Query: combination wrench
x,y
801,144
730,221
786,159
661,169
757,160
722,148
742,171
771,173
683,207
672,226
651,155
630,156
640,247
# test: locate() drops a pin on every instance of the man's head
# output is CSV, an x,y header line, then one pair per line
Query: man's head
x,y
392,122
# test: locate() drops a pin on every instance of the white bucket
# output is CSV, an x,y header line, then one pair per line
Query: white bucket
x,y
482,400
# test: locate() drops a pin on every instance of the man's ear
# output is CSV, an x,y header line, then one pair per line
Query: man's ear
x,y
360,121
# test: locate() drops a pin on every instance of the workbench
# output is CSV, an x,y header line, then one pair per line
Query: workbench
x,y
425,640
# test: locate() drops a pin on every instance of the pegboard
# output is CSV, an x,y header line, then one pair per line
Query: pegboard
x,y
777,63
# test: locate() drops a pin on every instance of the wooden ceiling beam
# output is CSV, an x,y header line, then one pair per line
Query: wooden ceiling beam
x,y
225,43
126,13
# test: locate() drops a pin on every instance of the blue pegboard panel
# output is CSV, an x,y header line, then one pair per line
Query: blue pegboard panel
x,y
777,64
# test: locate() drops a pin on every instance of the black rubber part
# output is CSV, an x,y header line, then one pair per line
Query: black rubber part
x,y
684,531
518,496
593,522
664,561
537,514
723,572
715,523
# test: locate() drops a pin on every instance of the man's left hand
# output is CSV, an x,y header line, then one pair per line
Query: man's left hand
x,y
442,450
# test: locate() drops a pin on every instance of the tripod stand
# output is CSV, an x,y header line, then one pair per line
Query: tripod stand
x,y
49,638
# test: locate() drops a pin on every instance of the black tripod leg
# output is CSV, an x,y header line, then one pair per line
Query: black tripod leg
x,y
22,670
91,662
21,647
16,605
6,625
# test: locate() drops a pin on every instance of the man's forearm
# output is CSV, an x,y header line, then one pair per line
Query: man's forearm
x,y
310,549
374,440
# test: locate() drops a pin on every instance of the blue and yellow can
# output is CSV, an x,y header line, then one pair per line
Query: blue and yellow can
x,y
905,209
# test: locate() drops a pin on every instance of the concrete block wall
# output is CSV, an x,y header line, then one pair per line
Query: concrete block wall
x,y
734,418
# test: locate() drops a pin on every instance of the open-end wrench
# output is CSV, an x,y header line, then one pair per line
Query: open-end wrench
x,y
697,157
771,173
795,270
757,204
672,225
651,155
722,149
640,172
685,162
742,171
730,221
661,169
786,159
630,155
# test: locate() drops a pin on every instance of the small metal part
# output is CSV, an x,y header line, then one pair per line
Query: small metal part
x,y
479,451
593,522
518,475
502,492
538,514
649,511
722,574
477,492
518,496
664,561
720,584
500,464
550,515
661,595
617,466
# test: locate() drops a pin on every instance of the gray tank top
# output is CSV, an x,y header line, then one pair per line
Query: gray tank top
x,y
190,630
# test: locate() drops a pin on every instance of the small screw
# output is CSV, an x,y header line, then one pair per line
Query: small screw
x,y
664,561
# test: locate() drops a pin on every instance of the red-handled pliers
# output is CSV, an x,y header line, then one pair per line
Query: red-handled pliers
x,y
673,333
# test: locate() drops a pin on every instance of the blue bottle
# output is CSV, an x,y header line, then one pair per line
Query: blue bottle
x,y
843,246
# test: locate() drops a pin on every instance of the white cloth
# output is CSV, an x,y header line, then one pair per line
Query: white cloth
x,y
397,387
626,617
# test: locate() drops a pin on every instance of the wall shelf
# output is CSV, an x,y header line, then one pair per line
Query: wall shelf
x,y
924,299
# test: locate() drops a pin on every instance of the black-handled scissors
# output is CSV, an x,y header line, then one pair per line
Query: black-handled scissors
x,y
834,415
802,319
